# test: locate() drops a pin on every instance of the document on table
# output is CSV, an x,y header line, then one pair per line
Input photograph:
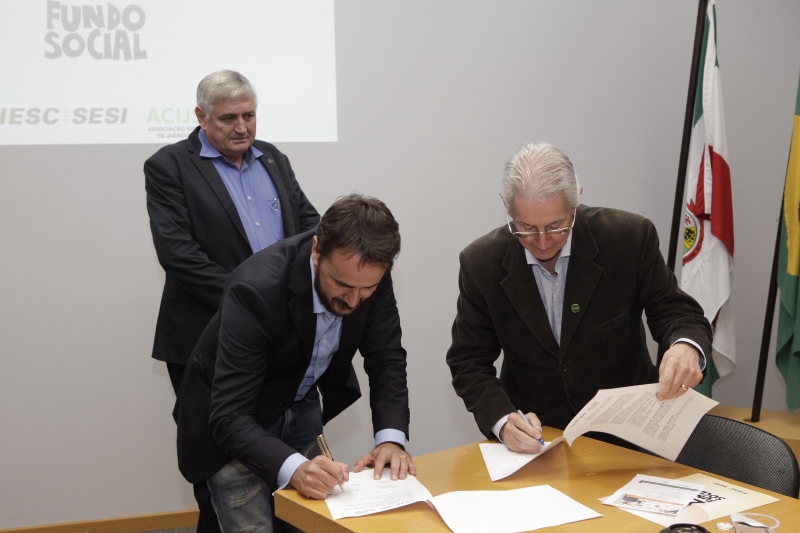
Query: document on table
x,y
655,495
718,499
365,495
634,414
502,462
509,511
499,511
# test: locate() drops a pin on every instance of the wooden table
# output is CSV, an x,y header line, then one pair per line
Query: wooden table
x,y
586,471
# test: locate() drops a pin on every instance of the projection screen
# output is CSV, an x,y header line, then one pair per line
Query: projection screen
x,y
112,73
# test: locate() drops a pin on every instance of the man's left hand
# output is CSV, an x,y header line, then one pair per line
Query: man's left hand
x,y
391,455
679,371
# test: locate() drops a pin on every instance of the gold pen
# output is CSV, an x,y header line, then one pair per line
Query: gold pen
x,y
323,446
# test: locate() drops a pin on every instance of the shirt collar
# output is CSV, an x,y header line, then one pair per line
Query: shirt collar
x,y
207,150
318,307
565,251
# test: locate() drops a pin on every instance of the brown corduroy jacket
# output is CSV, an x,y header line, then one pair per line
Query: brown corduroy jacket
x,y
616,272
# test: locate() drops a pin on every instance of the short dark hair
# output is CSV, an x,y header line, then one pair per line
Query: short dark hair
x,y
362,225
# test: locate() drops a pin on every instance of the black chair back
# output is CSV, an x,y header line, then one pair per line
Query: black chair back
x,y
742,452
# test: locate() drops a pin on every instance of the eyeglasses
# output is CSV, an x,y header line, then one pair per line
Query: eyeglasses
x,y
548,233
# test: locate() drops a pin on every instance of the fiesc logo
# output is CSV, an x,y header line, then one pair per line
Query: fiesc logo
x,y
94,30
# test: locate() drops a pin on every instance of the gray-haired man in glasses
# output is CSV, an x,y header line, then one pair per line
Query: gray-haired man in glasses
x,y
560,290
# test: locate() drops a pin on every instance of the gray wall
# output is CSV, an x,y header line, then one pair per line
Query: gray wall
x,y
432,98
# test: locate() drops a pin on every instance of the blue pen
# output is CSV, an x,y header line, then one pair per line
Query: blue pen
x,y
529,422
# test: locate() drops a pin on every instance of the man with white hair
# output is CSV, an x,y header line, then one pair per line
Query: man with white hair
x,y
214,200
560,289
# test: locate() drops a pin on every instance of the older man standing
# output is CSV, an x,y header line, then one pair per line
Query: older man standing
x,y
560,290
214,200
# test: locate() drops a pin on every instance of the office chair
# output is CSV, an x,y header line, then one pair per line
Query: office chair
x,y
745,453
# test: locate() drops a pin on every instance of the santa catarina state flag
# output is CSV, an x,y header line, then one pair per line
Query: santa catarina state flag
x,y
707,272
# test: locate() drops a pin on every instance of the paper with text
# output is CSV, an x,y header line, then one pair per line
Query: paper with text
x,y
502,462
655,495
365,495
718,499
499,511
634,414
509,511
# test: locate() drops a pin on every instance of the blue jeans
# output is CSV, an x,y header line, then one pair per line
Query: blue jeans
x,y
241,499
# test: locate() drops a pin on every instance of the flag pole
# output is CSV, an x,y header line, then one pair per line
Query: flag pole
x,y
772,295
688,120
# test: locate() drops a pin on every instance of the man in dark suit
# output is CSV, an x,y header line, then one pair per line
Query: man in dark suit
x,y
561,290
291,320
214,199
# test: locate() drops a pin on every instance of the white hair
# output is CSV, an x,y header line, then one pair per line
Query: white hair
x,y
538,172
223,85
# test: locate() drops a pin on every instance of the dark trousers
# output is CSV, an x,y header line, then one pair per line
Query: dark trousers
x,y
207,522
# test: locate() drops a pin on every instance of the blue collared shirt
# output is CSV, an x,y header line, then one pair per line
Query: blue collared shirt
x,y
551,287
253,193
326,342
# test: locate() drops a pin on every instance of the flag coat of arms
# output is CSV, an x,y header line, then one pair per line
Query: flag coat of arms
x,y
707,273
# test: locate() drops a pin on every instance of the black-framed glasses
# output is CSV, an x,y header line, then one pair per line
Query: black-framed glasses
x,y
547,233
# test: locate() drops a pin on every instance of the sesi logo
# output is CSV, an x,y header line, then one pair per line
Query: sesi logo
x,y
101,32
17,116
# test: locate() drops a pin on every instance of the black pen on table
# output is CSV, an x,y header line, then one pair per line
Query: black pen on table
x,y
529,422
323,446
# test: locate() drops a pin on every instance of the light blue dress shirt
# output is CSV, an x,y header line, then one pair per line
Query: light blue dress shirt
x,y
253,193
326,342
551,289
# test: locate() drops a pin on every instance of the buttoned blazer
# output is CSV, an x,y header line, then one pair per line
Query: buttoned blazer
x,y
616,272
250,361
199,237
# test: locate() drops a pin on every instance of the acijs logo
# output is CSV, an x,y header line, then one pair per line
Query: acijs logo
x,y
102,32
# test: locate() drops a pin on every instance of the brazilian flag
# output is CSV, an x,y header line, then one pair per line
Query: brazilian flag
x,y
788,344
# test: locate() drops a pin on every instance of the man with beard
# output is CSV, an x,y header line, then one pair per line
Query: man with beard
x,y
291,319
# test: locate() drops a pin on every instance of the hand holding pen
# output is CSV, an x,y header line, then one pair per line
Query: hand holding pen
x,y
522,433
318,477
541,440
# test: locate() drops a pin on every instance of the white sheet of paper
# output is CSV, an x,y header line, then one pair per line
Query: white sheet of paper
x,y
718,499
655,495
509,511
365,495
634,414
502,462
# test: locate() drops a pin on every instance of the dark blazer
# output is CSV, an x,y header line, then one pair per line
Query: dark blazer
x,y
250,360
199,237
616,272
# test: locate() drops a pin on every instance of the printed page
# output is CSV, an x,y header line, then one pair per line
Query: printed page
x,y
634,414
509,511
502,462
655,495
364,495
717,500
